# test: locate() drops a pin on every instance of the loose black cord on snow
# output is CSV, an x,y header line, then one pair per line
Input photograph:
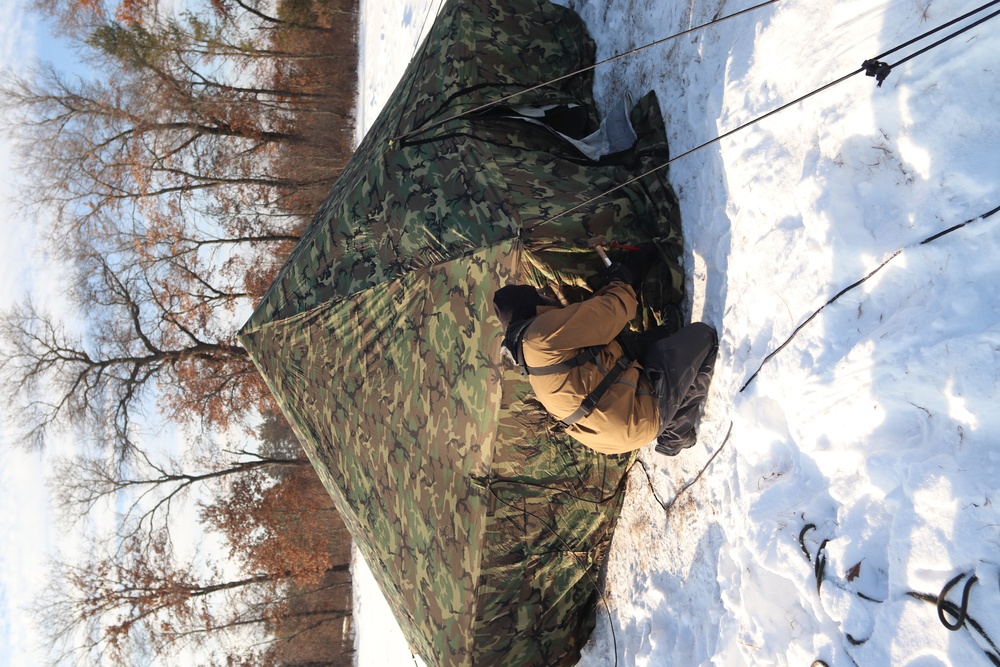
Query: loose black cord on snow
x,y
880,70
963,610
960,612
858,282
819,565
944,606
666,506
819,568
582,70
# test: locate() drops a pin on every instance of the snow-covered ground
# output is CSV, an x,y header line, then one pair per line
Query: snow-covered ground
x,y
878,423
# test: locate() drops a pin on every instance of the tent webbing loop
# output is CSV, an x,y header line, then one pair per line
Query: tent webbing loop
x,y
880,70
858,282
582,70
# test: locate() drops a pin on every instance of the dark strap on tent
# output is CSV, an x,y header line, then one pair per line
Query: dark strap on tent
x,y
512,341
587,355
595,396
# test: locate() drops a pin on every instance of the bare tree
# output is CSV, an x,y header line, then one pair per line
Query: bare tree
x,y
145,345
147,491
137,599
132,594
180,176
127,142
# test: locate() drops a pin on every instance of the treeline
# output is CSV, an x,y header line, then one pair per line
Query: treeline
x,y
171,180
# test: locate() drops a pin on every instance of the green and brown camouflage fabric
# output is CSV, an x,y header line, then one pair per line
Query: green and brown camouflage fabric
x,y
485,526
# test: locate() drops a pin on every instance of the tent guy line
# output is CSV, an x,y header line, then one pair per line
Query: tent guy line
x,y
582,70
847,289
666,506
881,70
871,67
427,14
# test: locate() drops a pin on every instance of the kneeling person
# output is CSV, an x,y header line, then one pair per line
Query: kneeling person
x,y
580,371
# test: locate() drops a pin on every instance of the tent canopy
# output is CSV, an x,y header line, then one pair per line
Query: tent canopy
x,y
485,525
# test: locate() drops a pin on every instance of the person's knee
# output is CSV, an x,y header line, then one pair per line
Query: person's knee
x,y
709,340
707,328
705,332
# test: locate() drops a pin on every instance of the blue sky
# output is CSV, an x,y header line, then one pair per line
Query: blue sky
x,y
24,514
26,527
29,531
20,517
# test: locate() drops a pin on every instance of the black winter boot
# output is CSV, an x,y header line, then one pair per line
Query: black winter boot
x,y
672,445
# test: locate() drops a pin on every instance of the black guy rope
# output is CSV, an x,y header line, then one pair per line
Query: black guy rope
x,y
698,148
944,606
880,70
819,565
872,67
963,613
858,282
819,569
666,506
582,70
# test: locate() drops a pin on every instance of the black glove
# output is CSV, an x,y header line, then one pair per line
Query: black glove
x,y
633,266
617,272
639,261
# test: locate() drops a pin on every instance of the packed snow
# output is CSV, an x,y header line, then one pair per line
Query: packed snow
x,y
876,423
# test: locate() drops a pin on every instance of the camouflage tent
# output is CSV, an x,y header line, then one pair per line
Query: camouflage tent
x,y
485,526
